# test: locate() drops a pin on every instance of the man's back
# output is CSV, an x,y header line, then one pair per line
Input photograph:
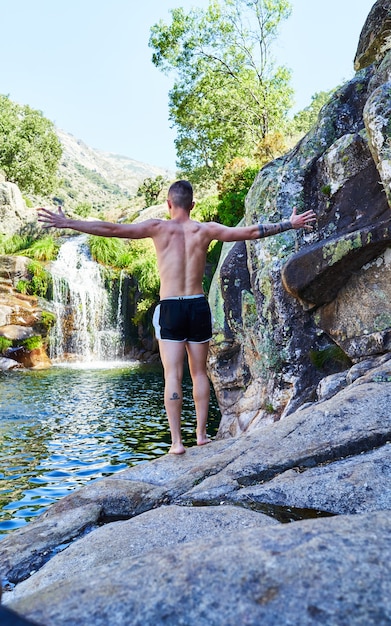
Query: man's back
x,y
181,246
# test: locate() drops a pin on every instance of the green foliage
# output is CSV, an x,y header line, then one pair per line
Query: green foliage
x,y
44,249
30,150
206,209
109,251
233,186
142,265
29,203
40,283
214,251
151,189
304,120
331,357
32,343
137,258
11,244
4,344
84,209
142,309
47,320
227,92
326,190
22,286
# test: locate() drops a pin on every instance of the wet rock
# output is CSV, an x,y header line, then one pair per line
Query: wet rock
x,y
8,364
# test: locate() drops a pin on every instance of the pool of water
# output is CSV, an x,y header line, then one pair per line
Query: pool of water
x,y
60,428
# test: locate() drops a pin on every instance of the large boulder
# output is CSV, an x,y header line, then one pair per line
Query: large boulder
x,y
301,305
318,572
15,216
287,524
375,35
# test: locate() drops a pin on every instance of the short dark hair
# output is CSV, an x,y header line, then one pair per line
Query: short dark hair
x,y
181,194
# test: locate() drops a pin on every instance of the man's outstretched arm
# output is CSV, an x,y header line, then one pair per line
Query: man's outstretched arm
x,y
49,219
259,231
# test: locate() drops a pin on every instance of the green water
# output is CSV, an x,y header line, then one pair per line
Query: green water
x,y
62,427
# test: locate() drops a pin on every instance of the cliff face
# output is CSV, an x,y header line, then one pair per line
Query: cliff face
x,y
300,306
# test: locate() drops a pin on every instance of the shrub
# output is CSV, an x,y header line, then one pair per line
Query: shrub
x,y
142,265
32,343
48,320
4,344
108,251
272,146
84,209
22,286
40,283
233,187
44,249
11,244
137,258
206,210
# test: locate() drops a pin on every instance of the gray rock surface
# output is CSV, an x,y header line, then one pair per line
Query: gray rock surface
x,y
198,538
287,300
15,216
330,571
163,528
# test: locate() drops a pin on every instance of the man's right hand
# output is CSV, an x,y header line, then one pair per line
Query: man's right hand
x,y
52,220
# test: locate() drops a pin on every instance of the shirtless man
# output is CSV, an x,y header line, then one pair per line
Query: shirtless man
x,y
182,319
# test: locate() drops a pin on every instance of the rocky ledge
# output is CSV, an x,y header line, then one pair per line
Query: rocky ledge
x,y
288,524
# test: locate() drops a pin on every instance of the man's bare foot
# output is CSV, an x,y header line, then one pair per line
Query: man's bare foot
x,y
201,441
177,448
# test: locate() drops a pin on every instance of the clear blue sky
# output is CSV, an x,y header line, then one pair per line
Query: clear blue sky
x,y
87,66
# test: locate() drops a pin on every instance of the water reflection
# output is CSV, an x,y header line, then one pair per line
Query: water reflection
x,y
62,427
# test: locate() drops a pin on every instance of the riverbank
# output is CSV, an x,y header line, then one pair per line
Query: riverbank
x,y
199,539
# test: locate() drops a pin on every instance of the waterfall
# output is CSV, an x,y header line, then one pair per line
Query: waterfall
x,y
88,327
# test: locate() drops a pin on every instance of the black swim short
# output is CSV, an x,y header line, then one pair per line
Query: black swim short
x,y
184,318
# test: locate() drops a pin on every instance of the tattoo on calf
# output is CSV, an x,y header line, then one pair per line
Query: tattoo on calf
x,y
175,396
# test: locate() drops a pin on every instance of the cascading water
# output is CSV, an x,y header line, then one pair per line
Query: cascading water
x,y
88,328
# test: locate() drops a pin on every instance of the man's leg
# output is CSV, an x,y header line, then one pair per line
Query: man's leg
x,y
172,355
198,353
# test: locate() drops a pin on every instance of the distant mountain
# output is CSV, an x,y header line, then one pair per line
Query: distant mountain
x,y
102,179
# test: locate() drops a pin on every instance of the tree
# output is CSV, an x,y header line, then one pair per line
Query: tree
x,y
151,188
233,186
30,150
227,93
305,119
